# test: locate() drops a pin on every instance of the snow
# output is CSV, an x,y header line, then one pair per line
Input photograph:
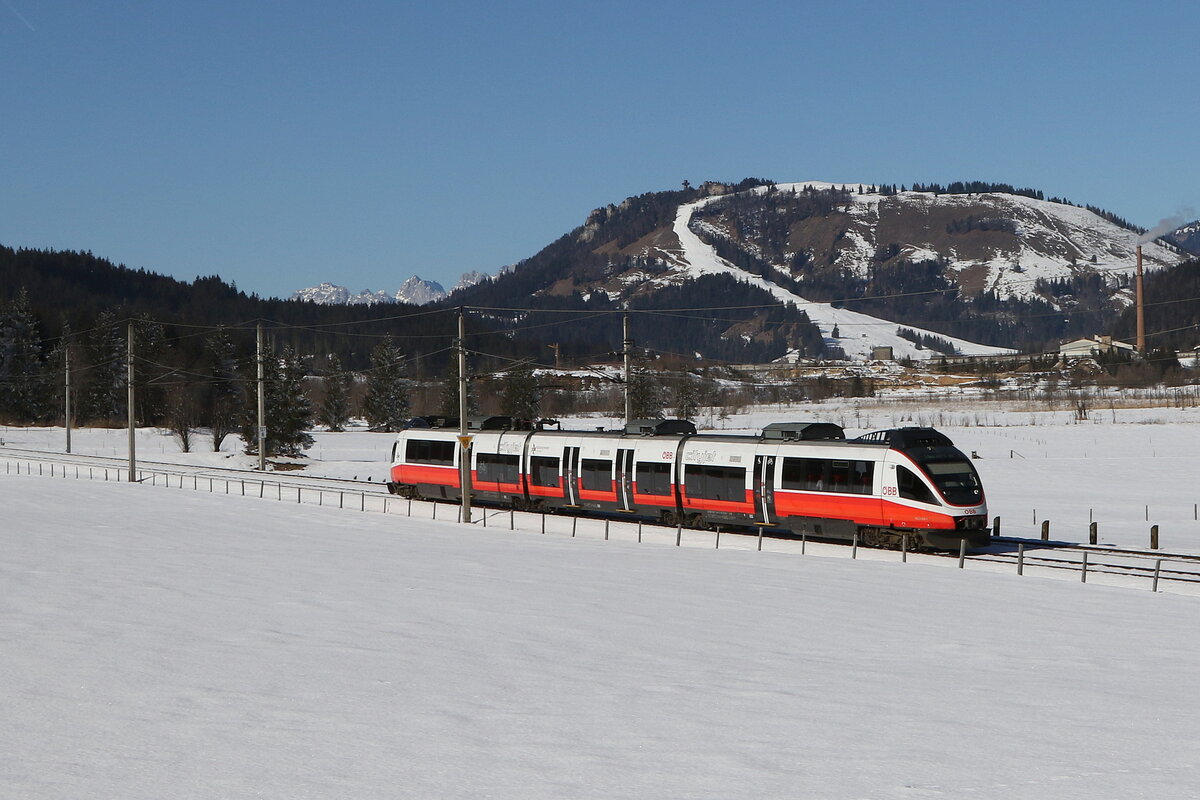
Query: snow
x,y
168,643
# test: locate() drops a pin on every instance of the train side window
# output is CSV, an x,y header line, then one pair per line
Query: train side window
x,y
715,483
808,474
653,478
496,468
544,471
596,475
863,478
912,487
839,476
426,451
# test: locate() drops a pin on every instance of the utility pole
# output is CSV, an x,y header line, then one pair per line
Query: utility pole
x,y
464,439
67,392
262,407
129,381
627,350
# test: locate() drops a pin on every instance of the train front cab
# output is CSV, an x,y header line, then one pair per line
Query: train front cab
x,y
928,485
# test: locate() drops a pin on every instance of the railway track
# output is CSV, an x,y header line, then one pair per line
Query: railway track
x,y
1090,560
148,467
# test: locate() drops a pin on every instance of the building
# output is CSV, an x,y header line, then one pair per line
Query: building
x,y
1093,345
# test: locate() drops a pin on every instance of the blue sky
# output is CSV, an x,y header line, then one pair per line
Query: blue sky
x,y
282,144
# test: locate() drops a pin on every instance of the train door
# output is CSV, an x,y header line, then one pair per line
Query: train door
x,y
764,489
570,468
625,479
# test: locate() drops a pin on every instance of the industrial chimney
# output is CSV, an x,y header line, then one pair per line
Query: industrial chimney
x,y
1141,307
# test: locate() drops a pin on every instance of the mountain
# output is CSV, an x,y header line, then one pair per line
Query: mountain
x,y
332,295
415,290
1186,237
976,268
469,279
418,291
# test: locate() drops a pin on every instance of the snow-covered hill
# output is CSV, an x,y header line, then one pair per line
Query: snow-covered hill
x,y
858,334
1009,247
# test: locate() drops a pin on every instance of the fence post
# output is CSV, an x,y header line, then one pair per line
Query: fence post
x,y
363,504
803,542
718,546
606,530
639,531
1045,530
512,523
1092,533
760,530
1083,571
1157,567
435,505
996,527
574,523
962,552
904,547
544,524
678,534
1021,558
484,517
1153,537
854,547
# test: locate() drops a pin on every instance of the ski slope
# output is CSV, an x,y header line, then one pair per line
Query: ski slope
x,y
859,333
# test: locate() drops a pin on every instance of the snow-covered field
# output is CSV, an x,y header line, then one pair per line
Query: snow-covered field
x,y
164,643
181,644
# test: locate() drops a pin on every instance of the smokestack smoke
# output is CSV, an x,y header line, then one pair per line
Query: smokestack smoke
x,y
1167,225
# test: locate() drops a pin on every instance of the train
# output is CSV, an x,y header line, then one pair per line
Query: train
x,y
901,487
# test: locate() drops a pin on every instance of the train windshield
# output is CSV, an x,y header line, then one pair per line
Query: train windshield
x,y
956,480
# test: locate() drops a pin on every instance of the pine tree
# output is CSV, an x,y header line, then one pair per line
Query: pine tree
x,y
335,409
387,402
288,410
22,390
450,391
226,396
152,365
103,400
645,396
54,378
291,410
687,398
522,397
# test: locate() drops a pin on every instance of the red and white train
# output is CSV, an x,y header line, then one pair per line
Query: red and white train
x,y
803,477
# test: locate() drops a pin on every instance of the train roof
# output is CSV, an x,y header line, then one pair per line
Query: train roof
x,y
908,438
